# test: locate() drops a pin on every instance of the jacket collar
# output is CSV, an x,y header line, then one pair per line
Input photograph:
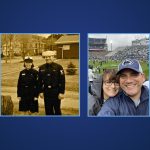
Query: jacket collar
x,y
144,94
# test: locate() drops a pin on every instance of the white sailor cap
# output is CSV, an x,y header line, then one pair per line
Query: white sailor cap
x,y
48,53
28,59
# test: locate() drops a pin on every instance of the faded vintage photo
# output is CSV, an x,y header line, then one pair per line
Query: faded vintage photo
x,y
40,74
118,75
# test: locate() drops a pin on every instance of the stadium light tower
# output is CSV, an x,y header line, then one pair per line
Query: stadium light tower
x,y
111,45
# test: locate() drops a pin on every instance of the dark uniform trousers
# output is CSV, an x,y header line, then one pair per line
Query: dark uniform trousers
x,y
52,106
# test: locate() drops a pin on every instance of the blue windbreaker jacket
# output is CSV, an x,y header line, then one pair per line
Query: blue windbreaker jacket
x,y
122,105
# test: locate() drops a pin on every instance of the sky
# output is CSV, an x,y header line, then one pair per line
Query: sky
x,y
118,40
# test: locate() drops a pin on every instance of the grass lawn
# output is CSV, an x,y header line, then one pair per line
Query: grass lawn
x,y
114,64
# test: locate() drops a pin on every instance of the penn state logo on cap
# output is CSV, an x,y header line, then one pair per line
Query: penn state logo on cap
x,y
127,62
130,64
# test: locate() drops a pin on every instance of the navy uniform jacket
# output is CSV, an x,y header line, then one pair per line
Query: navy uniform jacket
x,y
122,105
28,83
51,79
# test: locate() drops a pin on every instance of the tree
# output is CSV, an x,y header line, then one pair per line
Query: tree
x,y
24,40
11,50
4,46
51,41
7,43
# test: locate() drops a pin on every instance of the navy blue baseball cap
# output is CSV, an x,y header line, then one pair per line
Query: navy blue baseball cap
x,y
132,64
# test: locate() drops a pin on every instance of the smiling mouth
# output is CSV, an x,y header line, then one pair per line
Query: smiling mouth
x,y
130,85
113,91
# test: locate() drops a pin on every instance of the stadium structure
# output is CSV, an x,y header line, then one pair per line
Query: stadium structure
x,y
143,41
139,49
98,44
98,48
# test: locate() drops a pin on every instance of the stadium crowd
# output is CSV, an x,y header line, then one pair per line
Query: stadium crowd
x,y
139,52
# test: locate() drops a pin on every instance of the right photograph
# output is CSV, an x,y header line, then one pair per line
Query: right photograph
x,y
118,74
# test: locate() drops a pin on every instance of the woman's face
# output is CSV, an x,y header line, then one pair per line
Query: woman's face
x,y
28,65
110,88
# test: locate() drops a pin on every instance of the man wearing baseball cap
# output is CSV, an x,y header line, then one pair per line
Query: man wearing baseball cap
x,y
52,83
134,97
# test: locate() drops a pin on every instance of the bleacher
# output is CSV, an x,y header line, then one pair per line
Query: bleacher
x,y
139,52
98,54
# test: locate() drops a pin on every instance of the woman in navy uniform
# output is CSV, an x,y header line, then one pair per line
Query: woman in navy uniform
x,y
52,83
27,88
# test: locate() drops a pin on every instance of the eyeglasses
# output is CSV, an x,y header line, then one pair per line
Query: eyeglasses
x,y
108,83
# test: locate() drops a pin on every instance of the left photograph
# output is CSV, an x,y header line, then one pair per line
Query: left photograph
x,y
40,74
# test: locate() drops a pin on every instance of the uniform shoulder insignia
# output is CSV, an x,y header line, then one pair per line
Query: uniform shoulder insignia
x,y
23,74
61,72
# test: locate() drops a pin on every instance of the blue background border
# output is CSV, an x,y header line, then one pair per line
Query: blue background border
x,y
45,16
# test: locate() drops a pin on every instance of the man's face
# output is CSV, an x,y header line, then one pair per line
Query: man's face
x,y
131,82
49,59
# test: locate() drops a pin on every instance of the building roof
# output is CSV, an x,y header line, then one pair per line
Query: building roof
x,y
66,39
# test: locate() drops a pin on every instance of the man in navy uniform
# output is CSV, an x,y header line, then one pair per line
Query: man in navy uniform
x,y
51,83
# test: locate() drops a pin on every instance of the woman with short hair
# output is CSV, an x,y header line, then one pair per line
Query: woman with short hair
x,y
27,88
